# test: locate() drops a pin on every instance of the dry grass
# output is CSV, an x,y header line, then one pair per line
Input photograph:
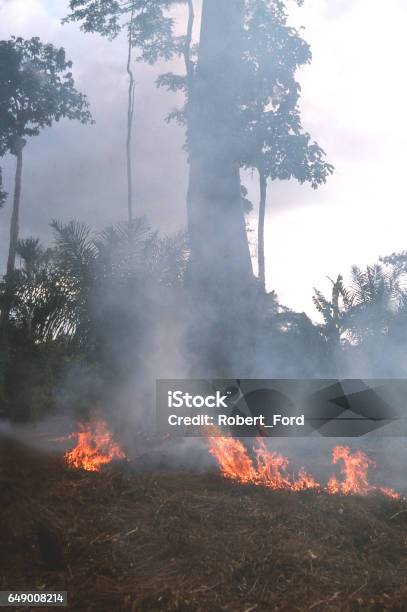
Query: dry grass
x,y
193,542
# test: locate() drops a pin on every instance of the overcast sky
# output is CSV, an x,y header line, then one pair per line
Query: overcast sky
x,y
354,100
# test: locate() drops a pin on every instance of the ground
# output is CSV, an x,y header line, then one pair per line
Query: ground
x,y
121,540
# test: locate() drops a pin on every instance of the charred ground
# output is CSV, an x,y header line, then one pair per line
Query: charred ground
x,y
164,541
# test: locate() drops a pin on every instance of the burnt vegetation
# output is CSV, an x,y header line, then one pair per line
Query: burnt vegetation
x,y
170,541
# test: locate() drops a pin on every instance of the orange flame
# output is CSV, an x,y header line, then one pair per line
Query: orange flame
x,y
354,470
95,447
268,468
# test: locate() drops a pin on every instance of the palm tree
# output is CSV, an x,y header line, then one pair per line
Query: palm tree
x,y
61,292
27,288
376,295
365,320
334,311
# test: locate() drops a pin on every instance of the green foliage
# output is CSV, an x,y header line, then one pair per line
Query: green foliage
x,y
334,311
27,284
86,309
36,89
92,302
274,141
88,305
367,308
271,137
397,260
289,344
363,332
377,295
30,374
56,291
146,23
101,16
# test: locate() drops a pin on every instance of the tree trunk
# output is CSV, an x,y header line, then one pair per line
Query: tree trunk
x,y
15,216
260,237
187,47
130,115
14,229
219,246
220,271
3,195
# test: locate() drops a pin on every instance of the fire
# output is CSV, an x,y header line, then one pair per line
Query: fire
x,y
95,447
269,469
354,470
233,460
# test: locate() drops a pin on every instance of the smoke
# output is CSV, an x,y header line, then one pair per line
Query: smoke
x,y
73,171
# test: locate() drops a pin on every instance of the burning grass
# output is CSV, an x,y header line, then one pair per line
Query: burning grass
x,y
95,447
166,541
269,469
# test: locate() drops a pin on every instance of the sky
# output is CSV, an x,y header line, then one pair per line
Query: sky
x,y
353,102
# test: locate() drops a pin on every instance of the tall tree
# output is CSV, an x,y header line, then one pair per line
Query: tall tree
x,y
213,85
255,112
149,31
220,265
37,88
275,143
222,83
130,117
241,111
220,271
219,249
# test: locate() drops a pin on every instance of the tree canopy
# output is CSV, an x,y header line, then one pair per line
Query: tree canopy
x,y
147,23
274,141
36,89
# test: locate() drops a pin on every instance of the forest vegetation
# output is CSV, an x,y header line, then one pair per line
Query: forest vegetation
x,y
91,303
